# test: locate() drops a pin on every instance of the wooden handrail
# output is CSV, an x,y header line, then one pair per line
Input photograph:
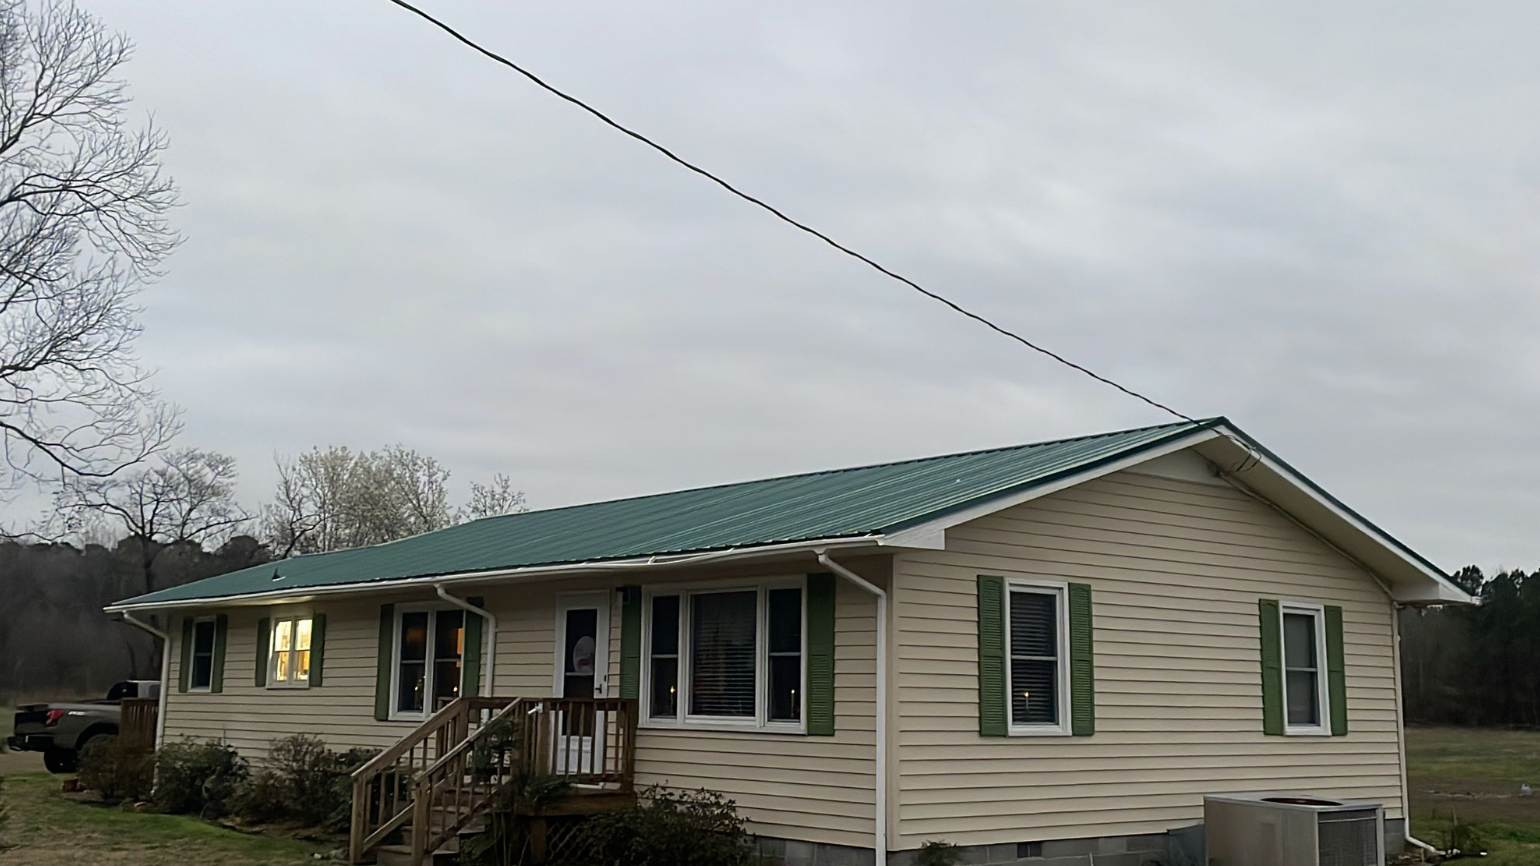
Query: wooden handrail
x,y
383,786
439,777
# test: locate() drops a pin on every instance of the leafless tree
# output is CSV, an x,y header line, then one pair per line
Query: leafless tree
x,y
184,496
335,498
491,500
83,205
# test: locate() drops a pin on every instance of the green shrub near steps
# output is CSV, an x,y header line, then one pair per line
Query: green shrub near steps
x,y
116,770
672,828
302,781
197,778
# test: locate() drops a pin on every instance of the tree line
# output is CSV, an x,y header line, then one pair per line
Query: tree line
x,y
175,519
1476,665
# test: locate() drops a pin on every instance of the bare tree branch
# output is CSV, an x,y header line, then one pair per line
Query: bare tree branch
x,y
83,226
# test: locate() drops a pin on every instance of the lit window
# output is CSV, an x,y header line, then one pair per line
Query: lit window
x,y
734,655
290,663
430,657
1037,665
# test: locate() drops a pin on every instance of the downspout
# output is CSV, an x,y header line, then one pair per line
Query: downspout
x,y
165,673
880,823
1406,807
489,683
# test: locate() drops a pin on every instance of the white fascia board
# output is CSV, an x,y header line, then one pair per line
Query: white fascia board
x,y
926,534
1442,592
509,575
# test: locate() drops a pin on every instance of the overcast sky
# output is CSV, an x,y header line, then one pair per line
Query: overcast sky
x,y
1317,219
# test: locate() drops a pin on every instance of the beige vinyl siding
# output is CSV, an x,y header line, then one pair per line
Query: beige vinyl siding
x,y
1176,568
340,711
793,786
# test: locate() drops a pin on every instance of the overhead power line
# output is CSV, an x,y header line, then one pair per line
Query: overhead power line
x,y
778,214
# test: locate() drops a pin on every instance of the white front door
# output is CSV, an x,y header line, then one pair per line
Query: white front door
x,y
582,671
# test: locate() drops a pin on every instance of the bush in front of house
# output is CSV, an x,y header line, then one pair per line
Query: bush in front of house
x,y
5,814
937,852
197,778
302,781
672,828
116,769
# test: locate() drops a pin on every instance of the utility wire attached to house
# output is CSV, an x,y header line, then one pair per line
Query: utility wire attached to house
x,y
801,226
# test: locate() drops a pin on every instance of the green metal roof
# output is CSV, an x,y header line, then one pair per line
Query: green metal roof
x,y
860,502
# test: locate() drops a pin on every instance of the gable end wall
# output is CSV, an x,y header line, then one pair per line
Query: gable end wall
x,y
1176,568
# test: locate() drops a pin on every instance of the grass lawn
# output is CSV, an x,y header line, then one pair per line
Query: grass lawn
x,y
46,829
1474,775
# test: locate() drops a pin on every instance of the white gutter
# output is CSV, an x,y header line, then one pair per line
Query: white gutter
x,y
165,673
880,822
530,572
488,683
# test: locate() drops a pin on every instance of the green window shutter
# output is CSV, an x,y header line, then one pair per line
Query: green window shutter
x,y
185,670
264,650
1336,671
470,676
992,716
317,649
1082,662
820,655
1272,666
385,658
221,630
631,642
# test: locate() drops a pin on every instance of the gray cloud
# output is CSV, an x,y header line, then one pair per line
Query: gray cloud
x,y
1317,220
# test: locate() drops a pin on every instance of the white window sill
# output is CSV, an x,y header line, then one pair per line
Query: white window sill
x,y
288,686
1306,732
721,727
205,690
1038,731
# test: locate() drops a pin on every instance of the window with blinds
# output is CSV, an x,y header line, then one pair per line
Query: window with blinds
x,y
1035,628
725,657
722,664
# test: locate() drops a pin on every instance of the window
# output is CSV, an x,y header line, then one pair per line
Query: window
x,y
734,656
201,679
1037,667
290,662
430,654
1304,683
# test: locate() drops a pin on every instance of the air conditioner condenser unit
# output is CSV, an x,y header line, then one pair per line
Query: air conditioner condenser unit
x,y
1292,830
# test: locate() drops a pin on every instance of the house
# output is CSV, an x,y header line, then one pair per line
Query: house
x,y
1041,651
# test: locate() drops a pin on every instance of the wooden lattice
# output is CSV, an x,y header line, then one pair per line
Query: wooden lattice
x,y
567,841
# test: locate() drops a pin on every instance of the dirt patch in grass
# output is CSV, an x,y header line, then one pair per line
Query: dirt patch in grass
x,y
1474,776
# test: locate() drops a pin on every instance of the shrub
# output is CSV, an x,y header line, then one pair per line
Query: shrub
x,y
197,777
301,781
117,770
938,853
672,828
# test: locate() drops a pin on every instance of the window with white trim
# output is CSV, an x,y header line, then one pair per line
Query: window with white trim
x,y
289,659
1305,695
1037,658
429,660
726,657
201,677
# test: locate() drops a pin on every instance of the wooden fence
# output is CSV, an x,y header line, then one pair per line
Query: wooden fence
x,y
138,722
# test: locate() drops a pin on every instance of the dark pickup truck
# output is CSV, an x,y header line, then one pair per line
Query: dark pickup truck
x,y
60,731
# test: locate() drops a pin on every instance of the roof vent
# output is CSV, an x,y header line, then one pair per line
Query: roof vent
x,y
276,575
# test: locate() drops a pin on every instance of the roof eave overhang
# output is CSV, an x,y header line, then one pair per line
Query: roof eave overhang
x,y
511,575
1407,577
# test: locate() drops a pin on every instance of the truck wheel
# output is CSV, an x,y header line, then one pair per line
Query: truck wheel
x,y
59,760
